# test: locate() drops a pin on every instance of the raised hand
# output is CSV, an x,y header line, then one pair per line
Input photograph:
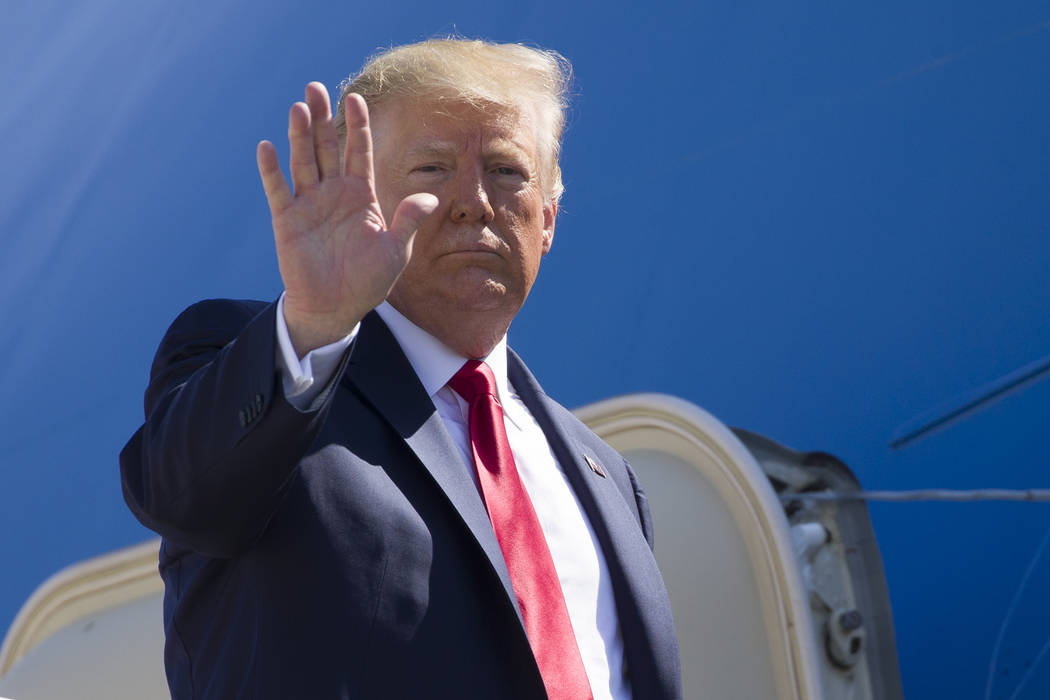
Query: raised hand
x,y
337,256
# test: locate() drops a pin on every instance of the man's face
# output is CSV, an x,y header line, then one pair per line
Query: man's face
x,y
478,254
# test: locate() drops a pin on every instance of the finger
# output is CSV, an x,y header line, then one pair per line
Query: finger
x,y
326,141
274,184
357,158
301,162
410,214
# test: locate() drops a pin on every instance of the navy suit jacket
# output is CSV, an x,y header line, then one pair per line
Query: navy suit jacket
x,y
344,551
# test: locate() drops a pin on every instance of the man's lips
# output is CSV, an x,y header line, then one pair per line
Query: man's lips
x,y
472,250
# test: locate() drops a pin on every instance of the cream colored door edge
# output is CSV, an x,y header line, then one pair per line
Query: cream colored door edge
x,y
672,425
80,590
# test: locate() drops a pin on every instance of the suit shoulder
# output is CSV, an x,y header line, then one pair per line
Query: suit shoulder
x,y
208,323
217,314
196,335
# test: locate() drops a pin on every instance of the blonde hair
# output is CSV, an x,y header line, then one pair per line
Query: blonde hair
x,y
480,73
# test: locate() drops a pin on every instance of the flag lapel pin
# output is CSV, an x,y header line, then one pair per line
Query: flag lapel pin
x,y
595,467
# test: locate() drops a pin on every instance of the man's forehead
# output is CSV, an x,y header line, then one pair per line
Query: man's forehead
x,y
439,125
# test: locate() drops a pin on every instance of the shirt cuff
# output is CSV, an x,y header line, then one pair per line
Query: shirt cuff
x,y
304,379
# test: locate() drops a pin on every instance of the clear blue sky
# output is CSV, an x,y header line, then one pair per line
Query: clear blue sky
x,y
815,220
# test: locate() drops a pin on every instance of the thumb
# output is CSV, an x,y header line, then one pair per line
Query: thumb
x,y
410,215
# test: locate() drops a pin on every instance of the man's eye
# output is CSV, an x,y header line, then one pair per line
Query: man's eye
x,y
428,168
506,170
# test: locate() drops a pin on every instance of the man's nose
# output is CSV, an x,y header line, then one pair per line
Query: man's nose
x,y
470,200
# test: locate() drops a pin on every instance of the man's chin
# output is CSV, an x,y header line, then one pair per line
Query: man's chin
x,y
478,290
489,297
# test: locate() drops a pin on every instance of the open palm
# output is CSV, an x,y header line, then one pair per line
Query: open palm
x,y
337,256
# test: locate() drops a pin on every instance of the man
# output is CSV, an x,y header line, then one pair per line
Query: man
x,y
361,491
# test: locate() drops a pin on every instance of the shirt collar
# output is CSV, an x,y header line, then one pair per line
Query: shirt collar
x,y
433,361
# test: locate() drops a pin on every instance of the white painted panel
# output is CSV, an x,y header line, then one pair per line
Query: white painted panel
x,y
709,576
113,654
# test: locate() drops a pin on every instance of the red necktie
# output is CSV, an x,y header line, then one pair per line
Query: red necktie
x,y
529,561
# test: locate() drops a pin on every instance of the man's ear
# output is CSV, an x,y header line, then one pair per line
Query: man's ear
x,y
550,213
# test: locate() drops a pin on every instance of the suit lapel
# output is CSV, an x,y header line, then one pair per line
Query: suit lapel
x,y
380,371
641,598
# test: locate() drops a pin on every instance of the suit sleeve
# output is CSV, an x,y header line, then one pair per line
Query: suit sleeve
x,y
220,443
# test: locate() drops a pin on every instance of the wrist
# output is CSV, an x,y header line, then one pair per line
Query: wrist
x,y
307,332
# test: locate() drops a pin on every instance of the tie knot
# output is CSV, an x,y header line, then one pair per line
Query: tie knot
x,y
473,379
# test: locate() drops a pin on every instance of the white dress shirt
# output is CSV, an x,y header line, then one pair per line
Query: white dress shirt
x,y
574,548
